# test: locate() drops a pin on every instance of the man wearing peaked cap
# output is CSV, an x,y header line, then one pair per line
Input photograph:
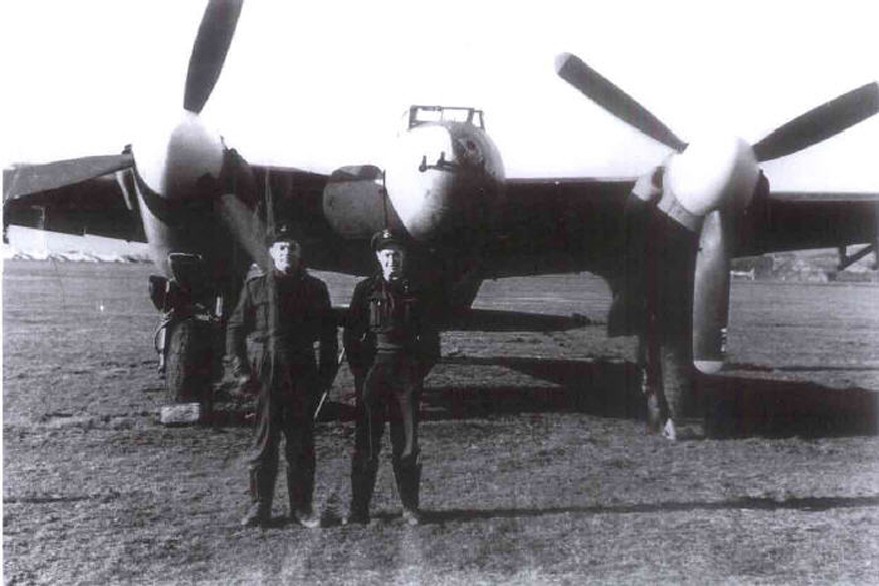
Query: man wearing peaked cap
x,y
391,344
386,238
281,233
279,316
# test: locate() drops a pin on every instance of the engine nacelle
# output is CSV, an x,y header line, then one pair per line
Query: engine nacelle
x,y
354,202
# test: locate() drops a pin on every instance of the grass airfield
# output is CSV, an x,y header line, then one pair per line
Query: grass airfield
x,y
536,465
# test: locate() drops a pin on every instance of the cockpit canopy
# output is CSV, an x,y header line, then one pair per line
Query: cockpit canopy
x,y
419,115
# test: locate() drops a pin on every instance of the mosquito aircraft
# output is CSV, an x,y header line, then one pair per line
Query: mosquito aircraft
x,y
204,209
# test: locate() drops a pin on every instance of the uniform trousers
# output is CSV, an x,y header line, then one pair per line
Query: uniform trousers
x,y
284,407
389,390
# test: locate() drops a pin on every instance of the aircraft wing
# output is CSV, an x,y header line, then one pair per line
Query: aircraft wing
x,y
548,225
105,205
568,224
98,206
555,225
788,220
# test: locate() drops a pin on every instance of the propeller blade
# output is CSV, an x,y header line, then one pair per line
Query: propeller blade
x,y
820,123
247,228
34,178
209,51
270,204
711,292
604,93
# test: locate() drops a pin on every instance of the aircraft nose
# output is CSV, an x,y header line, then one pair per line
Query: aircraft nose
x,y
420,176
437,177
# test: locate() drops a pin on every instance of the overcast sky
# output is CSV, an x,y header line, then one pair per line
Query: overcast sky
x,y
324,84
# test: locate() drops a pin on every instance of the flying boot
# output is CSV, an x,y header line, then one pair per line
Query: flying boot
x,y
300,487
408,476
363,476
262,488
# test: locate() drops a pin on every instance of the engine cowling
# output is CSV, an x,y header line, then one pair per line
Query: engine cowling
x,y
354,202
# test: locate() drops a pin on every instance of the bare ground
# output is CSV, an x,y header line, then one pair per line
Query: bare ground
x,y
537,468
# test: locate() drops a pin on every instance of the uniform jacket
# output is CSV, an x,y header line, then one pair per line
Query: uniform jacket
x,y
304,317
390,318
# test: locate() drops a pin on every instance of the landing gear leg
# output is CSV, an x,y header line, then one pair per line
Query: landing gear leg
x,y
651,385
677,385
667,382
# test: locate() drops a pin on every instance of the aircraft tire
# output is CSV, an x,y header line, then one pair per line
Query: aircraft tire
x,y
189,361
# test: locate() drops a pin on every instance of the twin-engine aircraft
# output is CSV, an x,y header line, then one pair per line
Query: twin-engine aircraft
x,y
204,210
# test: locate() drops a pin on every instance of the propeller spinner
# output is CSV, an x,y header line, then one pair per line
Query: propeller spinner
x,y
171,163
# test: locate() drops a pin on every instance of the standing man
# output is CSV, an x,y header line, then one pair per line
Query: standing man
x,y
280,316
391,345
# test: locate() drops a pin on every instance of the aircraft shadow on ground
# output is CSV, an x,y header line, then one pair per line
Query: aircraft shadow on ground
x,y
608,389
734,406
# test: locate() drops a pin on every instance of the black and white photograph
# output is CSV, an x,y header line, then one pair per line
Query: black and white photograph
x,y
407,292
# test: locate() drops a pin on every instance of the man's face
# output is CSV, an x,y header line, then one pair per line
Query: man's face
x,y
286,256
392,261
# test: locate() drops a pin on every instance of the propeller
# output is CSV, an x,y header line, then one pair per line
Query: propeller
x,y
206,62
607,95
820,123
711,287
209,51
707,185
173,164
208,54
246,226
706,188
